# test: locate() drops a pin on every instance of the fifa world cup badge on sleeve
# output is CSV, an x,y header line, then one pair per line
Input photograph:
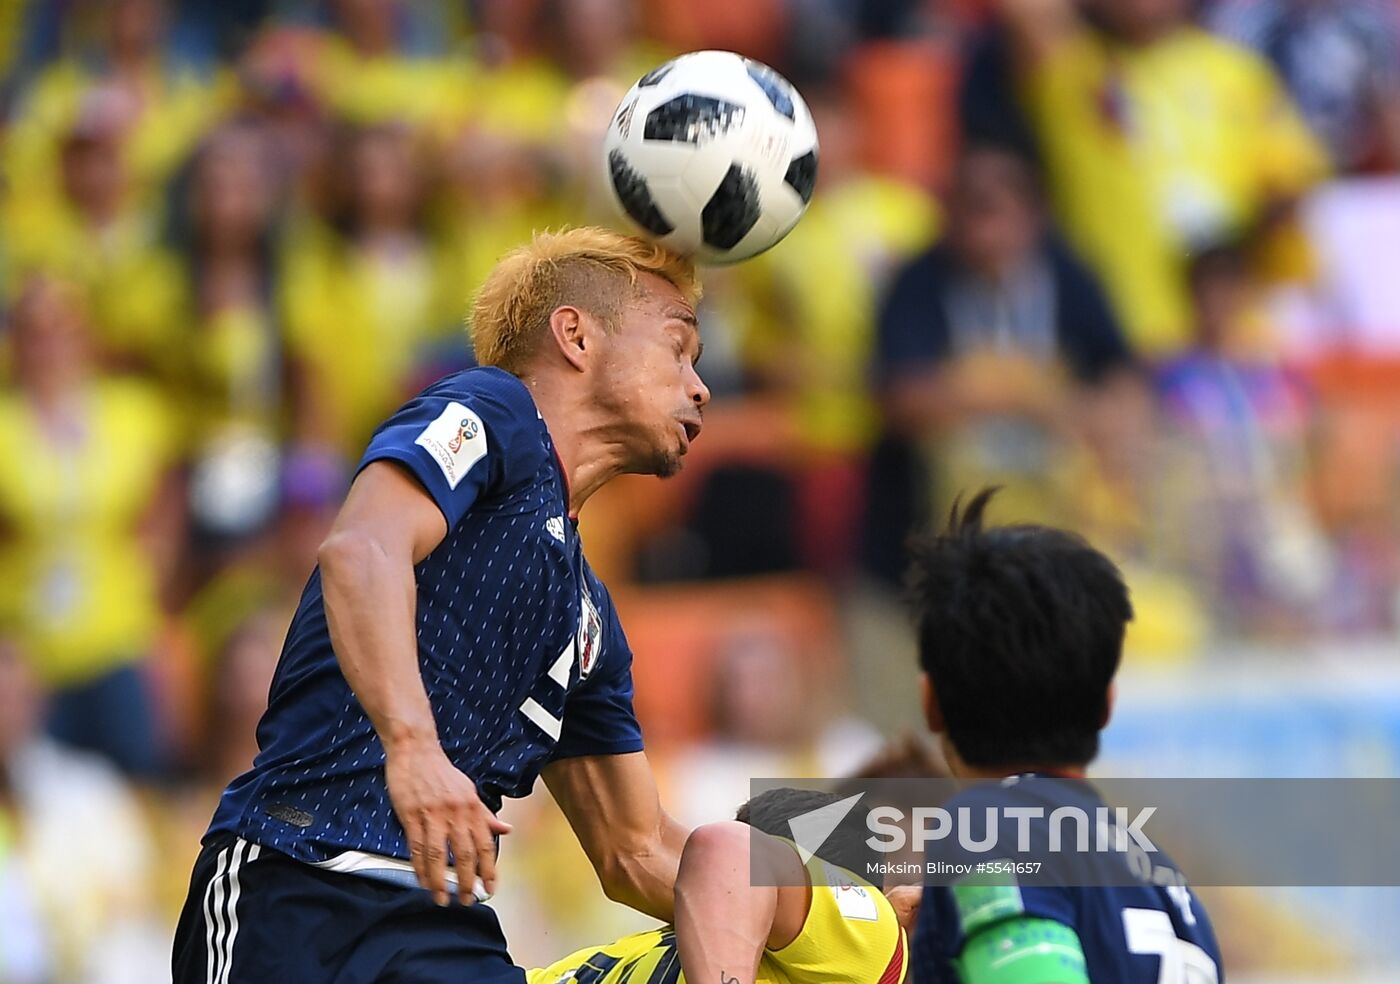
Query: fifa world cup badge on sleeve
x,y
456,440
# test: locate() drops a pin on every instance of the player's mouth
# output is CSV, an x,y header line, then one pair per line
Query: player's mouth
x,y
691,428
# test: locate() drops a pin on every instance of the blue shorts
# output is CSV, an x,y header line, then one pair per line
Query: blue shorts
x,y
254,915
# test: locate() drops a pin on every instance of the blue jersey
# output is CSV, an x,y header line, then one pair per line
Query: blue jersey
x,y
1131,931
519,648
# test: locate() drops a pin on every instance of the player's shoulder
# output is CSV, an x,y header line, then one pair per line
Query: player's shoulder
x,y
476,429
486,385
488,407
851,932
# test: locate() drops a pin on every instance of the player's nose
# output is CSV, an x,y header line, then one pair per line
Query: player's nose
x,y
696,389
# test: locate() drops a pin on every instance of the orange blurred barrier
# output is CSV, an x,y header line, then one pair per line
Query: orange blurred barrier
x,y
755,28
678,634
1358,436
905,92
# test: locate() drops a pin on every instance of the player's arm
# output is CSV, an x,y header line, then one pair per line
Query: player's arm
x,y
634,845
1023,950
387,525
726,913
905,900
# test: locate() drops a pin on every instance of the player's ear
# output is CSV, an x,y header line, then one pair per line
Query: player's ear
x,y
569,330
1108,699
932,713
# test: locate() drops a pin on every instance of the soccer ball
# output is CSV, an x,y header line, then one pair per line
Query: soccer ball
x,y
713,154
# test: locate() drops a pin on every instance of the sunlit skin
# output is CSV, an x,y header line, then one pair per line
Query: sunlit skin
x,y
618,391
625,399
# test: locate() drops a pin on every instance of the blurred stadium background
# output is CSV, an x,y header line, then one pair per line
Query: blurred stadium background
x,y
1135,260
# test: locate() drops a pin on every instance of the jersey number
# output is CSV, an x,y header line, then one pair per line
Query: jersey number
x,y
559,676
1150,931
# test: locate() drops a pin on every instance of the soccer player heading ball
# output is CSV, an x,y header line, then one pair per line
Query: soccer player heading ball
x,y
453,645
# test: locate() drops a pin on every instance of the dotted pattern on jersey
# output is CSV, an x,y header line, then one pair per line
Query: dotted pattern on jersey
x,y
497,603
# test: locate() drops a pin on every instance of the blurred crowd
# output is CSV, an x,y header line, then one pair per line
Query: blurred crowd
x,y
1130,259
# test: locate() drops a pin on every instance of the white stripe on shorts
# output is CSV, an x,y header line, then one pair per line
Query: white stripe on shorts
x,y
235,889
211,954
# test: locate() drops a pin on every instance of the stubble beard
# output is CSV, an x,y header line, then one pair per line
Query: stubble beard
x,y
665,464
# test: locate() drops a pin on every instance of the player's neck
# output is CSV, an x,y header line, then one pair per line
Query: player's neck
x,y
1002,772
588,456
963,770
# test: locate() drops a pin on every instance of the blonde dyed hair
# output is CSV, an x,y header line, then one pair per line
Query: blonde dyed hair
x,y
590,268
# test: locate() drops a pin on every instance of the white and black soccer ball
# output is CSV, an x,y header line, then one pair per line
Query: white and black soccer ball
x,y
713,154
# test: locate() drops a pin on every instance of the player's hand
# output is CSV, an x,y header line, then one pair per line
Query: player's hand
x,y
905,900
440,810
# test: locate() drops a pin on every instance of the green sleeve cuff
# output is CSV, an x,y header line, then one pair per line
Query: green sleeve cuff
x,y
1023,950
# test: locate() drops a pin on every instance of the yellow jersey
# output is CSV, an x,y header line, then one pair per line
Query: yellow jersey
x,y
73,574
1151,149
850,936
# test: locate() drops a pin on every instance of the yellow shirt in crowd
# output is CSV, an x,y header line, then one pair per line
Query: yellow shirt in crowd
x,y
851,936
818,299
73,574
1152,148
177,108
360,324
134,290
428,93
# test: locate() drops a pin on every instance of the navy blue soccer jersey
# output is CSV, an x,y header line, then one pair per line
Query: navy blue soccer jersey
x,y
519,647
1131,931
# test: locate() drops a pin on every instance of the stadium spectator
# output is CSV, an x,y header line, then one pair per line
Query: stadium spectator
x,y
278,94
988,341
94,228
86,503
237,382
1157,138
1341,62
1234,461
66,815
364,290
122,48
377,66
545,78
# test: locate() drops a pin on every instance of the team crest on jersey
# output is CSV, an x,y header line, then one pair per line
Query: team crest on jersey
x,y
590,635
456,440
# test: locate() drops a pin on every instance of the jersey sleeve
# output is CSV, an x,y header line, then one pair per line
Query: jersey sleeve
x,y
951,917
461,442
851,934
598,715
1023,950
